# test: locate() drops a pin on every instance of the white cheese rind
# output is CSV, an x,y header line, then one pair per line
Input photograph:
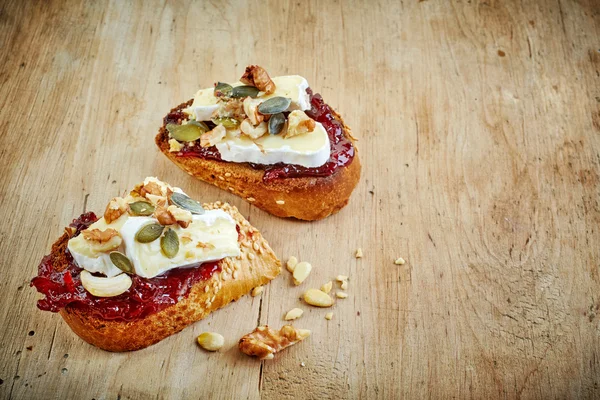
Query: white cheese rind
x,y
308,150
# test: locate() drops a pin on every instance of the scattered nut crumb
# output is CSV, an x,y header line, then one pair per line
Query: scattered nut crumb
x,y
291,264
211,341
294,313
344,285
264,342
399,261
341,295
302,364
341,278
301,272
257,291
317,298
329,316
358,253
327,287
280,202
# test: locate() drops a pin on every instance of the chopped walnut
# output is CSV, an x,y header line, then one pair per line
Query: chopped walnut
x,y
264,342
213,137
258,77
102,241
98,236
183,217
299,123
251,110
151,188
252,131
115,208
163,216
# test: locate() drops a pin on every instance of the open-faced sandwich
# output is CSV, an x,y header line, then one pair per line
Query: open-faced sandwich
x,y
269,140
153,264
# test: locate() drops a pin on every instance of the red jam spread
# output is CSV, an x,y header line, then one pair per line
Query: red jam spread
x,y
144,297
342,150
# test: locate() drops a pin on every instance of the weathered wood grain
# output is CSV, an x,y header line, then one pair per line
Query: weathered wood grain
x,y
479,128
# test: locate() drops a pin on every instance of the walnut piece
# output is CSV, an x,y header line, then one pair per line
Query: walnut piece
x,y
299,123
183,217
102,241
151,188
115,208
264,342
213,137
163,216
251,110
257,76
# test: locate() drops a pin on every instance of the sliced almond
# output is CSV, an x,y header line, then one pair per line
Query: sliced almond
x,y
317,298
327,287
291,264
341,278
344,285
294,313
399,261
329,316
301,272
341,295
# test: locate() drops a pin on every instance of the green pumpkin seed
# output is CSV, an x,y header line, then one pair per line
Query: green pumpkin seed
x,y
183,201
186,133
199,124
244,91
149,233
121,261
141,208
228,123
169,243
223,89
274,105
276,123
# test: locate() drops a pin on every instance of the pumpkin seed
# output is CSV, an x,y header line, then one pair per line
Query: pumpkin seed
x,y
199,124
228,123
244,91
186,133
223,89
183,201
169,243
121,261
149,233
274,105
276,123
141,208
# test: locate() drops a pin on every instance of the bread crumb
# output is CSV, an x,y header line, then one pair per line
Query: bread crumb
x,y
329,316
280,202
399,261
358,253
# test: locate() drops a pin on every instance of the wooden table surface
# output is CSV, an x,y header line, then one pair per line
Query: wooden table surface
x,y
479,129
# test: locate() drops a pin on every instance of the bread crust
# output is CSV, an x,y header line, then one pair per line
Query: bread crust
x,y
256,266
305,198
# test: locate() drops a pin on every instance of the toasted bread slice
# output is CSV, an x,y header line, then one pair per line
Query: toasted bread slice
x,y
256,266
305,198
